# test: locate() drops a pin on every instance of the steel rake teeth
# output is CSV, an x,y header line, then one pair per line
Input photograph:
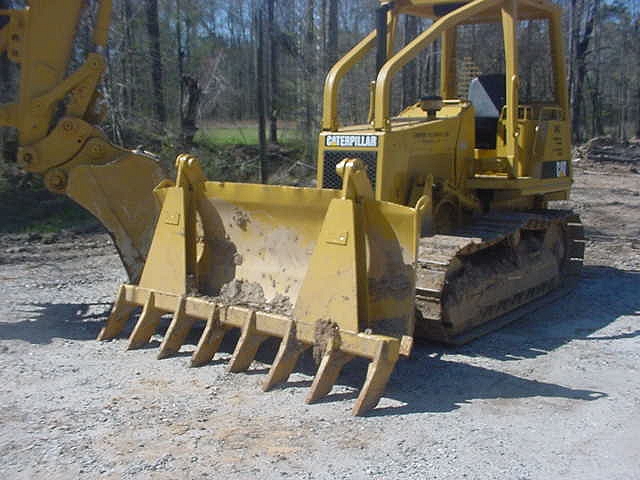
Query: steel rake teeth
x,y
255,327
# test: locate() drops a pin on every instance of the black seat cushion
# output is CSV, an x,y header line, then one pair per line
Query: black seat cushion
x,y
487,94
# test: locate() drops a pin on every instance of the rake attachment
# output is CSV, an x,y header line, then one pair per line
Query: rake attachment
x,y
331,270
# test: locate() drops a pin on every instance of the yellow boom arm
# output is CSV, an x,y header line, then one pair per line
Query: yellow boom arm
x,y
73,155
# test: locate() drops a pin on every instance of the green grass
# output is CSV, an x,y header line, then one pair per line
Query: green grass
x,y
243,135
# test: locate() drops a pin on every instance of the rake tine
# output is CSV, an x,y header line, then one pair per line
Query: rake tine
x,y
247,346
177,332
210,340
378,375
147,324
118,317
286,359
328,372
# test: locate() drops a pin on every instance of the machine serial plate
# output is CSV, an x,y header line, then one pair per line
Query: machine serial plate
x,y
555,169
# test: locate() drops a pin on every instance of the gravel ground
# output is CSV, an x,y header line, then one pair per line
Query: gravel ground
x,y
553,395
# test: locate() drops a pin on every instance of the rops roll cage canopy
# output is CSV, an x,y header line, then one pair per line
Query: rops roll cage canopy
x,y
446,17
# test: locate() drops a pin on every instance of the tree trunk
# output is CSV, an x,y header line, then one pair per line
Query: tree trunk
x,y
309,77
153,29
324,34
332,34
126,61
582,27
637,32
409,90
181,76
596,103
260,96
192,95
273,74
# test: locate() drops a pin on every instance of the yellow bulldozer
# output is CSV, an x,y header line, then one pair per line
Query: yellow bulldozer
x,y
431,222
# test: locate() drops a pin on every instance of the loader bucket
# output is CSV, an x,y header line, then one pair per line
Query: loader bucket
x,y
119,195
332,270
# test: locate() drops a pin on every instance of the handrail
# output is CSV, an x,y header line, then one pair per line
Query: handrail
x,y
330,117
381,107
335,76
411,50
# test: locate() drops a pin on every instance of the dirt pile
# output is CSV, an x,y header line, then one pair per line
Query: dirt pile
x,y
251,294
601,150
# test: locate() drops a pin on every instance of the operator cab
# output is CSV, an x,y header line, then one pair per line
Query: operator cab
x,y
502,124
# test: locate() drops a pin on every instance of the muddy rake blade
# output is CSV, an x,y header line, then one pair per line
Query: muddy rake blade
x,y
255,327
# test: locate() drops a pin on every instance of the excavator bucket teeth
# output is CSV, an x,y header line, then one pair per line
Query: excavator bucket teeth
x,y
210,340
286,359
146,326
328,372
324,269
247,347
118,317
378,375
177,332
256,327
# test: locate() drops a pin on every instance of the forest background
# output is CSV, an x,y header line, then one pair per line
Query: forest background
x,y
239,83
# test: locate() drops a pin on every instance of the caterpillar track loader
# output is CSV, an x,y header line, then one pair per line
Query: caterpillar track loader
x,y
431,222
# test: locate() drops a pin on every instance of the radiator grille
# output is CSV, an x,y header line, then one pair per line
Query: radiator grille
x,y
330,178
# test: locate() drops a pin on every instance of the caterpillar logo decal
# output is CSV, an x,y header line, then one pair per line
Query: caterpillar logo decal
x,y
351,141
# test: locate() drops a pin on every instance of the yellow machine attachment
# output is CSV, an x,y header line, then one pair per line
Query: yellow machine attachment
x,y
328,269
56,114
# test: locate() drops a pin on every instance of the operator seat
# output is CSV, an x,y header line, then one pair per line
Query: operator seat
x,y
487,93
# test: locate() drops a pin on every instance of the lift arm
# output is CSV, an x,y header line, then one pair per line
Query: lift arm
x,y
56,114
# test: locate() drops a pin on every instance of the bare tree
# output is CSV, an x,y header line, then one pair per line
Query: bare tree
x,y
637,35
332,33
192,94
273,73
153,29
409,73
180,54
582,21
260,97
309,69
